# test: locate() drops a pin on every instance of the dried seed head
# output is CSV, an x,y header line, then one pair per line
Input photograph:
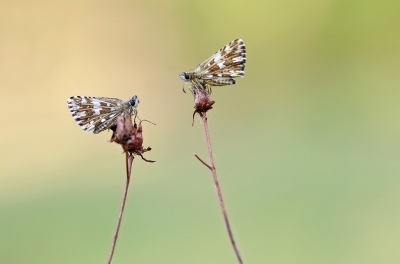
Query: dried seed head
x,y
129,136
202,100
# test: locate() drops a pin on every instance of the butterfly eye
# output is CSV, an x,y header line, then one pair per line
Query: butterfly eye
x,y
186,76
134,101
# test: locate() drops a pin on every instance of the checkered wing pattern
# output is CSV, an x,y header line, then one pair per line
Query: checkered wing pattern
x,y
95,113
224,65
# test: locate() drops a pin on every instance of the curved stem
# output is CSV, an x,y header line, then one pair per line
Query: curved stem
x,y
214,172
129,160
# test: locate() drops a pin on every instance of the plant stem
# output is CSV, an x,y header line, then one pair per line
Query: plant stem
x,y
129,160
214,172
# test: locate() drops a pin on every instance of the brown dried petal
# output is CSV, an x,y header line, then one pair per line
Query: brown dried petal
x,y
202,100
129,136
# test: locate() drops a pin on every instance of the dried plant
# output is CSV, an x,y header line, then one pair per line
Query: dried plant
x,y
130,137
202,104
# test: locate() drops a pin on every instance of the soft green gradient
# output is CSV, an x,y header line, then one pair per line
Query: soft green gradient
x,y
307,145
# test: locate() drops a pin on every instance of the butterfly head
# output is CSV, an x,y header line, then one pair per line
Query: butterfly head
x,y
134,101
184,76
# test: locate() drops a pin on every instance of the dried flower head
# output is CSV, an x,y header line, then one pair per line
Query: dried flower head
x,y
129,136
202,101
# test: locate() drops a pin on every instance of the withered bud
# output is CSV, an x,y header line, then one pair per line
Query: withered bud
x,y
202,100
129,136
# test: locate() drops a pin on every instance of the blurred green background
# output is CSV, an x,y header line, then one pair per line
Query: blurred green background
x,y
307,145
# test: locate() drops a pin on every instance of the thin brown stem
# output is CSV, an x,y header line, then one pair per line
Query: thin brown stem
x,y
129,160
214,172
205,164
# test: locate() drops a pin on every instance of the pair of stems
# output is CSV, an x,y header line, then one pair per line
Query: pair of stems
x,y
129,160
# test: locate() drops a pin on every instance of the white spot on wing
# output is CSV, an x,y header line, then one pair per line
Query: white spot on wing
x,y
237,59
96,111
221,65
217,57
83,101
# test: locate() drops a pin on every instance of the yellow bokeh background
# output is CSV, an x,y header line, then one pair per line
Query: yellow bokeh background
x,y
307,145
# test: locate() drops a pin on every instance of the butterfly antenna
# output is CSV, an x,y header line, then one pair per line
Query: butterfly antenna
x,y
144,120
183,88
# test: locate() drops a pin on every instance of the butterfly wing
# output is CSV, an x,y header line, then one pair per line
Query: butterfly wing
x,y
224,65
96,113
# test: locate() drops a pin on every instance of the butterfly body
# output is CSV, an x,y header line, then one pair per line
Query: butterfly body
x,y
220,69
100,113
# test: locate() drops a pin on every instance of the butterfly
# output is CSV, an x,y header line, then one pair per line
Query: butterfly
x,y
220,69
100,113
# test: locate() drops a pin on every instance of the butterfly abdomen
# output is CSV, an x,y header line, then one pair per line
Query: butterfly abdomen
x,y
220,82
